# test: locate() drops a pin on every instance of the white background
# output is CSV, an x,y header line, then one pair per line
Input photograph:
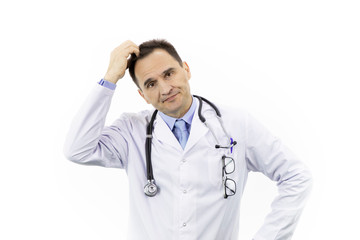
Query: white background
x,y
293,64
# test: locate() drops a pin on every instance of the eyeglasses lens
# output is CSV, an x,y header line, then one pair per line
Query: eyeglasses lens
x,y
230,187
229,165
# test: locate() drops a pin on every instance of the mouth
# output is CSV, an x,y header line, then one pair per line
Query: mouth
x,y
169,99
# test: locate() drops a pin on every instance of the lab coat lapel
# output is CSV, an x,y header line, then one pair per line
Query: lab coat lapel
x,y
198,130
163,133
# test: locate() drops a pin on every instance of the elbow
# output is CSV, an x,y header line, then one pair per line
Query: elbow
x,y
71,154
308,179
304,180
300,181
304,183
305,186
81,156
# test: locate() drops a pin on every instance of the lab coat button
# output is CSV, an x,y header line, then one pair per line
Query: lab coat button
x,y
184,191
183,160
184,224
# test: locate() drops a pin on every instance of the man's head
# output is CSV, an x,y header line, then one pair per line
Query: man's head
x,y
148,47
162,78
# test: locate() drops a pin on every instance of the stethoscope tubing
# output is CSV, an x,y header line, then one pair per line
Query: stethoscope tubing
x,y
151,188
148,143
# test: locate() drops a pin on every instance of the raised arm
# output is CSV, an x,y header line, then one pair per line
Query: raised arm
x,y
89,141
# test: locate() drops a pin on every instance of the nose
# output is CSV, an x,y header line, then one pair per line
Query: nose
x,y
165,87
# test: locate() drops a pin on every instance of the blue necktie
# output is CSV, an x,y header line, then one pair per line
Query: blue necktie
x,y
180,131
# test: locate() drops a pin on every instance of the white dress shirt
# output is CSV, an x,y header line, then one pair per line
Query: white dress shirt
x,y
190,202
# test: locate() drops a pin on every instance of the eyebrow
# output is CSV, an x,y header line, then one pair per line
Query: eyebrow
x,y
147,81
163,73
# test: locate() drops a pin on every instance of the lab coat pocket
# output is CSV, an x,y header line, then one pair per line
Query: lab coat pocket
x,y
214,166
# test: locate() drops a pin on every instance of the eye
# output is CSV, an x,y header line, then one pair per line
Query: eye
x,y
150,85
169,74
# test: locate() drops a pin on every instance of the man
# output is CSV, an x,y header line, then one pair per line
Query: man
x,y
199,167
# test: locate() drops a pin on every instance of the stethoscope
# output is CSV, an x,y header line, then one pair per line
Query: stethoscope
x,y
151,188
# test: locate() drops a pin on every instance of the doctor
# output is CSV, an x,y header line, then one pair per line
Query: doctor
x,y
197,169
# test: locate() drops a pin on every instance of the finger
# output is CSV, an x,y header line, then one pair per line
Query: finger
x,y
128,63
125,46
135,50
130,59
129,43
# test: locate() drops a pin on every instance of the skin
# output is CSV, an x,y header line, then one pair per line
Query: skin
x,y
163,82
119,61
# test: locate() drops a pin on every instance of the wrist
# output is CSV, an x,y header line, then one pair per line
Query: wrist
x,y
110,78
107,84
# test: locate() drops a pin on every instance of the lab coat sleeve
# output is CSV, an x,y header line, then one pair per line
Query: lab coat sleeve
x,y
265,153
88,141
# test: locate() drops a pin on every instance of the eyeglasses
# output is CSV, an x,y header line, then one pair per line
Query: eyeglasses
x,y
228,168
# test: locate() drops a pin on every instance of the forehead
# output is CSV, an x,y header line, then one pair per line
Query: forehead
x,y
154,65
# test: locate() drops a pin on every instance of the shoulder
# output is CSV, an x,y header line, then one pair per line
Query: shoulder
x,y
134,120
232,112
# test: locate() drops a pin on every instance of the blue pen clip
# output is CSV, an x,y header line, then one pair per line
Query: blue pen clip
x,y
231,144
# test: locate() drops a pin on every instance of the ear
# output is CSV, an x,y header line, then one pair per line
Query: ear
x,y
187,69
142,94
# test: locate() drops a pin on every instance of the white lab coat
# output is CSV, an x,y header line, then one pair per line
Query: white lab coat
x,y
190,203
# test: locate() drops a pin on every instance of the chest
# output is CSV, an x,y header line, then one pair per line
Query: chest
x,y
198,169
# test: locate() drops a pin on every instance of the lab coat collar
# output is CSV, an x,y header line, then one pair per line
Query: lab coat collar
x,y
198,129
163,133
170,121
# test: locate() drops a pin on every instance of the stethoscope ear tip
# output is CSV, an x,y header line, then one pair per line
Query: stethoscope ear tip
x,y
233,143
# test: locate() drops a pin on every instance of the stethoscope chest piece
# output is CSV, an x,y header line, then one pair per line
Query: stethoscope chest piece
x,y
150,188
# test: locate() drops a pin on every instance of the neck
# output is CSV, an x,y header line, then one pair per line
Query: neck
x,y
182,113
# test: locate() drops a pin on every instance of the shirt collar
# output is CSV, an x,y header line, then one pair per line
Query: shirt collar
x,y
170,121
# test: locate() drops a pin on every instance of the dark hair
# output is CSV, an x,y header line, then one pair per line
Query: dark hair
x,y
148,47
